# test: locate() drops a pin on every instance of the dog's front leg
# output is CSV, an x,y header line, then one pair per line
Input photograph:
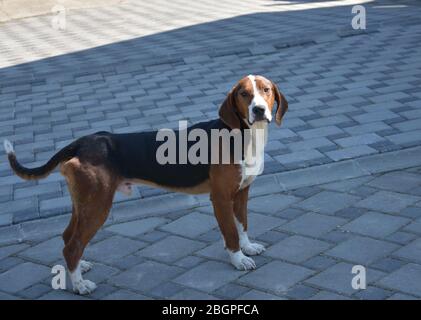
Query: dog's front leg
x,y
240,210
224,212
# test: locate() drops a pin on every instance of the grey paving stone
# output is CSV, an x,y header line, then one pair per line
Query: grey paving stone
x,y
100,273
112,249
338,278
22,276
346,185
414,227
272,237
301,292
388,264
10,262
363,191
401,296
327,295
40,230
189,262
389,161
46,252
291,213
306,191
153,206
166,290
411,251
320,132
406,279
375,224
123,294
350,152
328,202
35,291
319,262
258,295
299,156
373,293
29,205
12,249
128,262
217,275
312,224
258,224
375,116
191,225
362,250
296,249
231,291
153,236
263,185
37,190
276,276
405,137
351,213
271,203
171,249
145,276
5,296
6,219
102,291
54,206
134,228
191,294
386,201
357,140
214,251
401,237
310,144
397,181
62,295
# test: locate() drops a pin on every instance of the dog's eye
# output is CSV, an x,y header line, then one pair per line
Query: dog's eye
x,y
244,94
266,90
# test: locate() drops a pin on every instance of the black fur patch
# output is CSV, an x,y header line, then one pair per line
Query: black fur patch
x,y
133,156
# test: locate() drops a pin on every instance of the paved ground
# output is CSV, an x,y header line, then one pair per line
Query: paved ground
x,y
354,118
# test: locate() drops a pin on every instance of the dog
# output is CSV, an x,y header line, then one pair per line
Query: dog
x,y
97,165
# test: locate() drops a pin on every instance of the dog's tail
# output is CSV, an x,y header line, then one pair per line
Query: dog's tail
x,y
40,172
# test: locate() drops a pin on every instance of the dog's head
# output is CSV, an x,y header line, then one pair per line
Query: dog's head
x,y
251,100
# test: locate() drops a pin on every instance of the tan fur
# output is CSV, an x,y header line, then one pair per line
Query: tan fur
x,y
92,190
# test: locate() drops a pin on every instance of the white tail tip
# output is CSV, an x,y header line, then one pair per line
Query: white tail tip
x,y
8,147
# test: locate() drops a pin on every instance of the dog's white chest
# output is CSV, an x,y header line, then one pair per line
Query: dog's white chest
x,y
254,159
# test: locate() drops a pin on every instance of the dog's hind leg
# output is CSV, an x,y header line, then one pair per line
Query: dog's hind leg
x,y
92,189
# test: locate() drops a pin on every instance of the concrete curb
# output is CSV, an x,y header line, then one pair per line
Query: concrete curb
x,y
266,184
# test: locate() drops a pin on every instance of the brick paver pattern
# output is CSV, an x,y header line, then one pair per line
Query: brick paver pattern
x,y
141,66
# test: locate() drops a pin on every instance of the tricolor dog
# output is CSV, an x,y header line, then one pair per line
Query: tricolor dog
x,y
98,165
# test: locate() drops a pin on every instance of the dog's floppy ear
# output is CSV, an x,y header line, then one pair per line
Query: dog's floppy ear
x,y
282,104
228,111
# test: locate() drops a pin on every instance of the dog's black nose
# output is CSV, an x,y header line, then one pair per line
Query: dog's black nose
x,y
258,111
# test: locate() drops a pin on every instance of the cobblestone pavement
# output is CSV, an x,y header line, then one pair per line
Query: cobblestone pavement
x,y
314,235
342,180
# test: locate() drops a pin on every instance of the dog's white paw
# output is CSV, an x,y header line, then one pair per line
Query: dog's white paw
x,y
85,266
242,262
253,249
84,287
